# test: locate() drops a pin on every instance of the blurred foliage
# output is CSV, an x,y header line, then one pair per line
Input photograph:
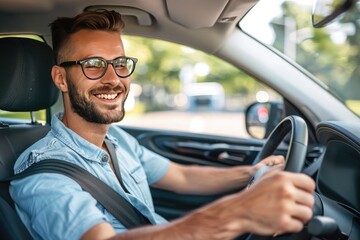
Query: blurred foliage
x,y
331,54
161,64
330,61
158,72
31,36
39,115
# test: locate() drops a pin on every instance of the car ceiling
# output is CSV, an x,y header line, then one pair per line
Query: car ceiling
x,y
201,24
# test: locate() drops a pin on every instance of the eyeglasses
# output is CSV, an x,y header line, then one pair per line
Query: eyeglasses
x,y
96,67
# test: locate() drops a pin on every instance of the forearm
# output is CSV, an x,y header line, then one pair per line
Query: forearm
x,y
264,209
214,221
213,180
201,180
285,205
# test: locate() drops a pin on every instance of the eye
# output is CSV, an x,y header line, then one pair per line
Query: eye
x,y
120,63
94,64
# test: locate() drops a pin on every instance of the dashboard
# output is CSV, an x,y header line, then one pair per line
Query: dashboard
x,y
338,191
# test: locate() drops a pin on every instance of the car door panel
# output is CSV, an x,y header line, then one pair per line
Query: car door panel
x,y
191,148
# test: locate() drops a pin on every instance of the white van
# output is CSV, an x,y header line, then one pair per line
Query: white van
x,y
205,96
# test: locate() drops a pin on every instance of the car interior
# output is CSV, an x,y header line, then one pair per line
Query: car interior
x,y
330,146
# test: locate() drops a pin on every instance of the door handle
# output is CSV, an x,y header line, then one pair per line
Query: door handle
x,y
225,156
215,152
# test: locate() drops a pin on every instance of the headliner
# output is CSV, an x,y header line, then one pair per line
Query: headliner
x,y
201,24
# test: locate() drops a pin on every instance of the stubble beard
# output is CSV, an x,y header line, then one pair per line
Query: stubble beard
x,y
88,110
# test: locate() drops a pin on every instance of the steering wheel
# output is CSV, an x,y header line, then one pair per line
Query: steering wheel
x,y
296,153
295,156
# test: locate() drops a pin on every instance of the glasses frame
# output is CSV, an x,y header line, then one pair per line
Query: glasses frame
x,y
107,62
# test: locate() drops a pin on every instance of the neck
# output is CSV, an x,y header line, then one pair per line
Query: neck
x,y
92,132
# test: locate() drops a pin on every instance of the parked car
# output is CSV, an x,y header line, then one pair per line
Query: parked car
x,y
251,46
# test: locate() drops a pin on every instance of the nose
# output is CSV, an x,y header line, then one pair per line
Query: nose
x,y
110,76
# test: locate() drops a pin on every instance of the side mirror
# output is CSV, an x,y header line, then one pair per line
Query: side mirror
x,y
325,11
261,118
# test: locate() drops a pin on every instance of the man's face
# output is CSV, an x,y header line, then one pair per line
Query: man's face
x,y
98,101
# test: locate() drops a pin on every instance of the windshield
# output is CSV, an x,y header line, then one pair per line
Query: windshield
x,y
331,54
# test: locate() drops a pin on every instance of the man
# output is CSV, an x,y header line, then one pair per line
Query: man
x,y
93,75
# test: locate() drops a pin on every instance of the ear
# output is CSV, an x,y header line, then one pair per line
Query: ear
x,y
58,75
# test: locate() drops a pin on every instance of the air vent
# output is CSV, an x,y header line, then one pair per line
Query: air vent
x,y
313,154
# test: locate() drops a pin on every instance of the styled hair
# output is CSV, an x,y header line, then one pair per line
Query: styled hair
x,y
62,28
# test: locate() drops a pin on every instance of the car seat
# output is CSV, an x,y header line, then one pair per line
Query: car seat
x,y
25,86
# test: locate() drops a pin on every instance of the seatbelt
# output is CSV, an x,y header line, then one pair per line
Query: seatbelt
x,y
112,152
112,201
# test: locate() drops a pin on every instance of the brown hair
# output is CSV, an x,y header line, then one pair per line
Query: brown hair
x,y
62,28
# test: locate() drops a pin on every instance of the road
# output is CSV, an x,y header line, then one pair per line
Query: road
x,y
217,123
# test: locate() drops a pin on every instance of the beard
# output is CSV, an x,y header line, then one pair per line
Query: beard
x,y
87,109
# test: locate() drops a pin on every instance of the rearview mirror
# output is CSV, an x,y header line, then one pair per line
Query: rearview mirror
x,y
325,11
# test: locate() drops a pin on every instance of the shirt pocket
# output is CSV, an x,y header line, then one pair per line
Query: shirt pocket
x,y
141,186
138,174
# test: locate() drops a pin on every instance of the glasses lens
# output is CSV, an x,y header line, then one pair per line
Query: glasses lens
x,y
124,66
94,68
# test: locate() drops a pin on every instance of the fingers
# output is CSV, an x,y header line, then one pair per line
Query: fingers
x,y
304,198
299,180
278,159
270,161
302,181
294,220
289,224
301,213
273,160
295,186
277,168
296,194
294,200
279,202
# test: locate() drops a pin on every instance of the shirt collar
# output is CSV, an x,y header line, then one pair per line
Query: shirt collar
x,y
78,144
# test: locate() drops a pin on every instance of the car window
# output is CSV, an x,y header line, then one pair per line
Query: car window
x,y
16,117
178,88
330,54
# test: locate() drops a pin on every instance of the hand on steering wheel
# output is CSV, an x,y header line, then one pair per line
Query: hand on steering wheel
x,y
295,156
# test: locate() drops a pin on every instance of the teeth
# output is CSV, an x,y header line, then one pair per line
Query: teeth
x,y
107,96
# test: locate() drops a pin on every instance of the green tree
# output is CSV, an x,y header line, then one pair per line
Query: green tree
x,y
331,62
160,64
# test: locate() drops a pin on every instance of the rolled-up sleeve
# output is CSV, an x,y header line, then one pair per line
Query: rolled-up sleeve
x,y
62,211
155,165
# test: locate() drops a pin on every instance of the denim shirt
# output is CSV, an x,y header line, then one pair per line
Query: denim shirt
x,y
53,206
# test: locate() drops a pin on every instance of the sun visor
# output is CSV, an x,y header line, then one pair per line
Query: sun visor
x,y
204,13
143,18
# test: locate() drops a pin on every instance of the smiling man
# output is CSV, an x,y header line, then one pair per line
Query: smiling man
x,y
93,75
89,98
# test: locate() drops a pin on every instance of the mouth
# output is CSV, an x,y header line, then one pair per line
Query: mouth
x,y
107,96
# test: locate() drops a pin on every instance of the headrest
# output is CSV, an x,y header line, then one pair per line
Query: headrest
x,y
25,75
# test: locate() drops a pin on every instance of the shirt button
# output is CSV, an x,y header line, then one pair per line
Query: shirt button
x,y
104,158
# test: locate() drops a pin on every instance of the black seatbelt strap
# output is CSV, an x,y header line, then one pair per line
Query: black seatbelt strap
x,y
112,201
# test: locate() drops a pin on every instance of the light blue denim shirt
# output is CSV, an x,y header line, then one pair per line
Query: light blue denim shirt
x,y
53,206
